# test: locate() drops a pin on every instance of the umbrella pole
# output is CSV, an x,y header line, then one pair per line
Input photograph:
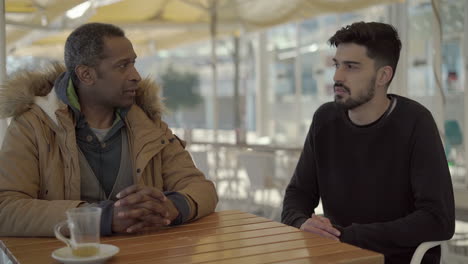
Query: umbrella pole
x,y
214,62
237,101
437,65
3,122
2,42
465,51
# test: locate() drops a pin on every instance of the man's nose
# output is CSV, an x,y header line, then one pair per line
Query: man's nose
x,y
339,75
135,76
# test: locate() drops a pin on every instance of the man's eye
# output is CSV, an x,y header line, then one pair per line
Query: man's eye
x,y
125,65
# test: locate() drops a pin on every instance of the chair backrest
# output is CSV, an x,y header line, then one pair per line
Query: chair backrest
x,y
200,158
260,168
422,249
453,134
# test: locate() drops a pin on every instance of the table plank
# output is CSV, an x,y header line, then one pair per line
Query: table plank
x,y
360,256
286,255
193,233
253,254
227,212
149,251
215,224
210,239
222,217
45,249
171,240
18,241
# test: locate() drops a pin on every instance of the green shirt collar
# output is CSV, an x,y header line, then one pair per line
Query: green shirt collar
x,y
72,96
74,101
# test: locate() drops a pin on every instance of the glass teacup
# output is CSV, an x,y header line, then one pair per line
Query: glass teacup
x,y
84,224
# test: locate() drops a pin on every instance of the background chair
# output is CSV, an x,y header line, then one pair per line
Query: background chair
x,y
200,158
453,139
260,168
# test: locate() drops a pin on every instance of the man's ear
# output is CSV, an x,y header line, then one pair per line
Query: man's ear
x,y
86,75
384,75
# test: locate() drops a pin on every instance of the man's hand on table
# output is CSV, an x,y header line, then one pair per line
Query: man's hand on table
x,y
321,226
140,208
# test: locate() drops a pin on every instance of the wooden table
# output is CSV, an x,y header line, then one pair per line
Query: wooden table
x,y
222,237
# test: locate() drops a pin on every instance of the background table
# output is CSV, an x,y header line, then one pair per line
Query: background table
x,y
222,237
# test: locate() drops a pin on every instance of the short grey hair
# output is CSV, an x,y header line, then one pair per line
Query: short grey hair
x,y
85,45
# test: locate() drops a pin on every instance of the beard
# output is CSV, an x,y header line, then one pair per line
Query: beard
x,y
352,102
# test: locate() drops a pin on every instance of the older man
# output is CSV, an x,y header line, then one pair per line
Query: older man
x,y
93,135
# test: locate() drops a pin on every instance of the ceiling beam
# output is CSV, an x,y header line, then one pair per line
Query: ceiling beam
x,y
12,7
139,25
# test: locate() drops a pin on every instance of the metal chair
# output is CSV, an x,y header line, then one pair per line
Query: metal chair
x,y
453,139
200,158
260,169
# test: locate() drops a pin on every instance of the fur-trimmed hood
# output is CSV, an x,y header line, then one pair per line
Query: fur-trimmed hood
x,y
29,87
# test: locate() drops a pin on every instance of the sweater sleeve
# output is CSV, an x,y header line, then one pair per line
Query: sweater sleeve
x,y
433,217
302,194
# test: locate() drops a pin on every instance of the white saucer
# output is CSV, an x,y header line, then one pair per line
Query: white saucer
x,y
64,255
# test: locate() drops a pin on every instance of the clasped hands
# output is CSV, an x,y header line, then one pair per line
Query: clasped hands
x,y
321,226
142,208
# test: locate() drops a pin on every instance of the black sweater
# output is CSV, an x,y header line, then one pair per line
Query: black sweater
x,y
387,185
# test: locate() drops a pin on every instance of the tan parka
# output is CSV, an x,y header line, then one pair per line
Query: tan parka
x,y
39,167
